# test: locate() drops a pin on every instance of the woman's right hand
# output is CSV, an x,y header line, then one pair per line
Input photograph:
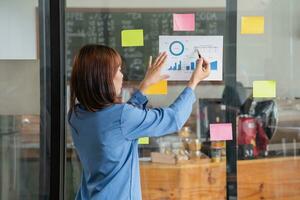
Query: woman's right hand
x,y
153,74
201,72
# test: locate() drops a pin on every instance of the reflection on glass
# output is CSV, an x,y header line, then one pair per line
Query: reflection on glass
x,y
268,120
187,165
19,101
167,164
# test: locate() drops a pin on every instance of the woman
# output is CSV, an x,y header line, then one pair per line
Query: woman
x,y
105,131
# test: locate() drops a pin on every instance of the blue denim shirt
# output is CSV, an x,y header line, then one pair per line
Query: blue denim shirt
x,y
107,143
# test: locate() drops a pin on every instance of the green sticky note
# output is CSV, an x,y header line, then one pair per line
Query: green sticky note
x,y
264,89
144,140
132,38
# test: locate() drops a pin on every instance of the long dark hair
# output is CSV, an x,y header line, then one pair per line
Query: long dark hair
x,y
92,77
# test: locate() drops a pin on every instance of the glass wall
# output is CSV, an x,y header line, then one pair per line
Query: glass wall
x,y
19,101
245,124
268,45
185,164
258,113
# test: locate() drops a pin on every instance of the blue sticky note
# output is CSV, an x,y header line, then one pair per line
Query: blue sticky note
x,y
214,65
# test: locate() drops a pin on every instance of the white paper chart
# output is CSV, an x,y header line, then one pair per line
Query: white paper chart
x,y
182,55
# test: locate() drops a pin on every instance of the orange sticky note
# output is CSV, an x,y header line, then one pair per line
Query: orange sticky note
x,y
159,88
264,89
143,140
253,25
184,22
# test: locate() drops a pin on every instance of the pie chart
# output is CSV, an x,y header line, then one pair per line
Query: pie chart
x,y
176,48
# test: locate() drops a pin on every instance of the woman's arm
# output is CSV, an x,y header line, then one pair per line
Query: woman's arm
x,y
201,72
137,122
138,99
152,76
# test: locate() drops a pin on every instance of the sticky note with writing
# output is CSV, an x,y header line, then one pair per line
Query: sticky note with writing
x,y
252,25
220,131
143,140
264,89
184,22
159,88
132,38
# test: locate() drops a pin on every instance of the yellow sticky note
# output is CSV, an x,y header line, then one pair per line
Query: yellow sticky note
x,y
132,38
159,88
253,25
264,89
144,140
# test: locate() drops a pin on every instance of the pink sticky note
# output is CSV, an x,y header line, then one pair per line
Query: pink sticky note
x,y
184,22
220,132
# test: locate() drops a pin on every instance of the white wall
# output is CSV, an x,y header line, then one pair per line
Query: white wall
x,y
18,29
19,67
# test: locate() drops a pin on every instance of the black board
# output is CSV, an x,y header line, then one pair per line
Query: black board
x,y
88,26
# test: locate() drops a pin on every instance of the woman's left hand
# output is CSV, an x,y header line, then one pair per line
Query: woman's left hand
x,y
153,74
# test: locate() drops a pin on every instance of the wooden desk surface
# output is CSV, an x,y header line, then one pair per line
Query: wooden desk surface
x,y
193,180
271,178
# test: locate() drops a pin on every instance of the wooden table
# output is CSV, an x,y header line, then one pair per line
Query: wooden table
x,y
272,178
193,180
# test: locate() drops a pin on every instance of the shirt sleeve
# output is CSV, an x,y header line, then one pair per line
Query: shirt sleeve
x,y
138,99
137,122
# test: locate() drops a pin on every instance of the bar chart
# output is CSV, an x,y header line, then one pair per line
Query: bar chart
x,y
183,54
178,66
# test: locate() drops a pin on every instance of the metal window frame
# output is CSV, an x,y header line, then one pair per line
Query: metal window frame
x,y
52,100
230,81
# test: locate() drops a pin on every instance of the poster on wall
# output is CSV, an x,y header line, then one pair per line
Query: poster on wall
x,y
183,51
